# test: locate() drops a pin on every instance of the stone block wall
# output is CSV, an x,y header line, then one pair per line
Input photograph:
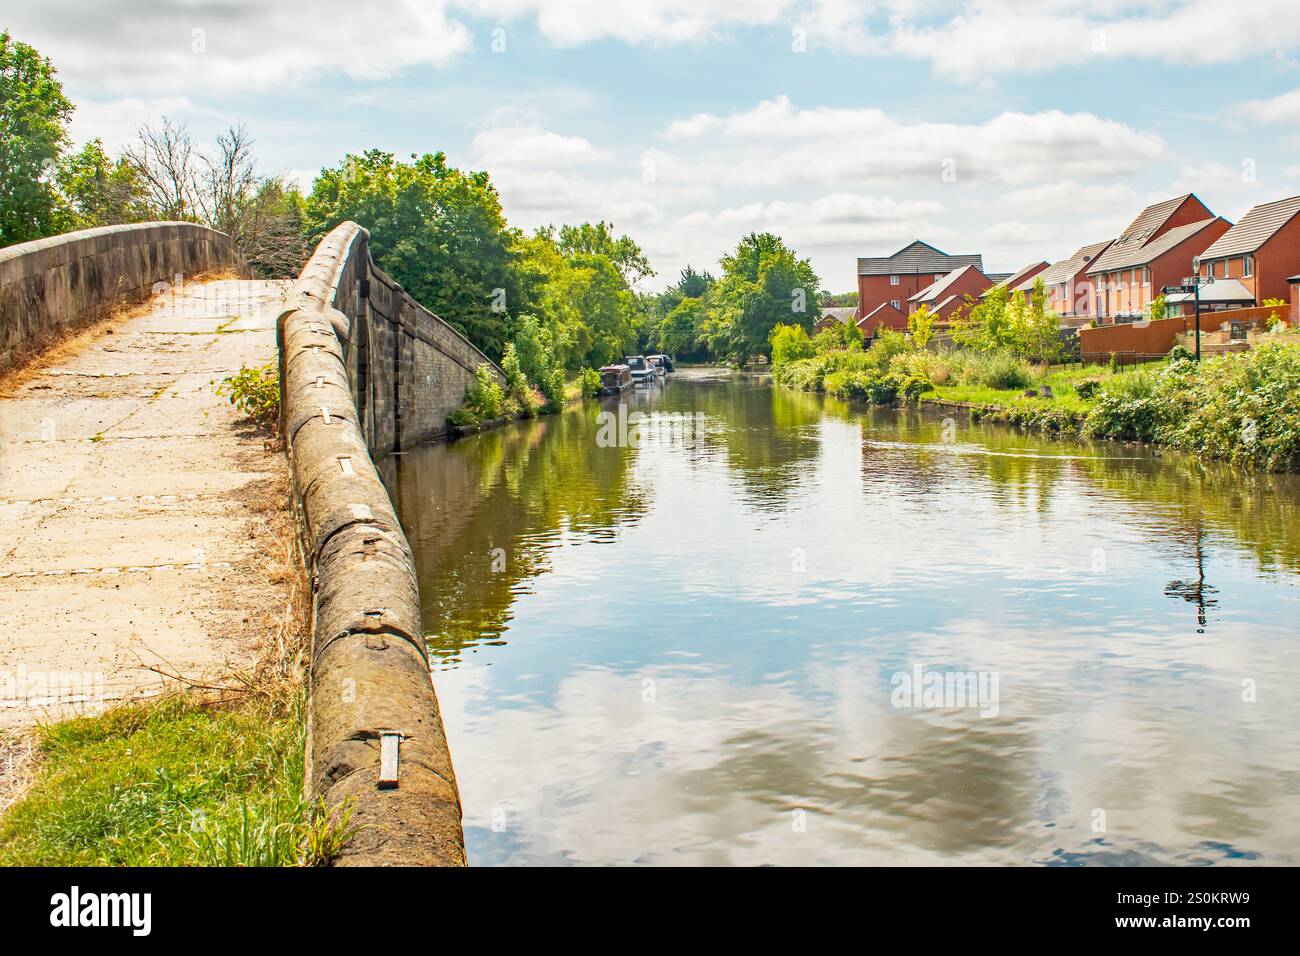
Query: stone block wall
x,y
365,370
54,285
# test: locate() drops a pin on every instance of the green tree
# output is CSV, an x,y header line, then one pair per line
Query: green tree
x,y
921,324
598,240
679,331
1158,309
34,116
763,284
437,230
102,191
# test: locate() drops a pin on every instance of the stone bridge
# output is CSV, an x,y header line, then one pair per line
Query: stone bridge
x,y
131,490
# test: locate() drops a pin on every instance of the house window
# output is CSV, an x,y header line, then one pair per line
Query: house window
x,y
1146,276
894,303
893,280
1246,266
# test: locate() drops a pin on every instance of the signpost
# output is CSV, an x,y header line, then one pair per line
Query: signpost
x,y
1192,285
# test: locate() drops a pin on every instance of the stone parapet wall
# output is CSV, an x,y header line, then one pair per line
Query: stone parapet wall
x,y
52,286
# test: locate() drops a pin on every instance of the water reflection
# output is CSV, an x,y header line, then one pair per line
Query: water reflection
x,y
686,655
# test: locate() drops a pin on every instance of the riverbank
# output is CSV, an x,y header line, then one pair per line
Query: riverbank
x,y
1242,408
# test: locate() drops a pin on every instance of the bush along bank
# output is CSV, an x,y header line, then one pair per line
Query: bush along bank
x,y
1243,407
524,361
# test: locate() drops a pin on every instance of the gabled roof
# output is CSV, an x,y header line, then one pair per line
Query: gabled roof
x,y
1255,228
1145,254
883,307
875,313
1067,269
916,257
841,313
1022,275
1138,234
940,286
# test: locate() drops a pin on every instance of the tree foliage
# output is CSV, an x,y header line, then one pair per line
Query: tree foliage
x,y
763,284
1004,320
437,230
34,116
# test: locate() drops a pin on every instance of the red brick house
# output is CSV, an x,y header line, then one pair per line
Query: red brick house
x,y
1260,253
948,295
1023,277
1069,292
1156,250
893,280
884,315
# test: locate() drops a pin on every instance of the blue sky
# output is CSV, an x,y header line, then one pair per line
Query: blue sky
x,y
1017,129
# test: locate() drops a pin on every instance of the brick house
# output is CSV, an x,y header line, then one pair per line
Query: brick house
x,y
948,295
1261,252
893,280
1019,280
885,315
1070,294
1154,251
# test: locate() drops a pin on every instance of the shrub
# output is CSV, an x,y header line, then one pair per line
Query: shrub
x,y
1127,409
804,374
1180,352
932,367
789,343
484,400
1088,388
589,382
256,393
888,343
1000,369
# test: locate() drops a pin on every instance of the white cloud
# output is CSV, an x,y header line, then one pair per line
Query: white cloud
x,y
152,48
777,142
1214,177
832,225
572,22
1067,197
116,122
161,47
529,146
1279,109
979,39
1014,232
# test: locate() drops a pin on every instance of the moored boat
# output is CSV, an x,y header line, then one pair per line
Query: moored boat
x,y
615,379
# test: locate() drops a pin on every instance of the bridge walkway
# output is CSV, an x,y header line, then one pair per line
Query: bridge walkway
x,y
140,510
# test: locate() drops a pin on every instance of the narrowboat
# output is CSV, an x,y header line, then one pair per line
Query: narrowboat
x,y
614,379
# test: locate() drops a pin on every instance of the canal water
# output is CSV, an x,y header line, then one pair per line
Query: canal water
x,y
765,627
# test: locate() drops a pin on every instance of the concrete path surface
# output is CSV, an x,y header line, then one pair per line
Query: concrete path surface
x,y
134,502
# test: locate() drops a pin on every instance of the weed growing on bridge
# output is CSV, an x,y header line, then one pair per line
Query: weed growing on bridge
x,y
256,393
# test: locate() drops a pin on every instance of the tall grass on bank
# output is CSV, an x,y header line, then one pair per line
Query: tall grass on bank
x,y
1242,407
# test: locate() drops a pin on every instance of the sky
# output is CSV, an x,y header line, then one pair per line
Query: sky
x,y
1019,129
